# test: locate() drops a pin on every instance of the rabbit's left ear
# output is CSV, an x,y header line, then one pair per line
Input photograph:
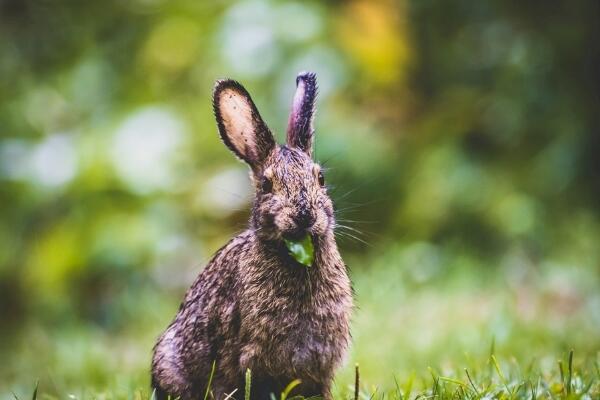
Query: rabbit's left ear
x,y
300,130
240,125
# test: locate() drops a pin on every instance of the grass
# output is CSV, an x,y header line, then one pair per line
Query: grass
x,y
493,381
570,380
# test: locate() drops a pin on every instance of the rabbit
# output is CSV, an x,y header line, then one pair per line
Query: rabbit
x,y
254,306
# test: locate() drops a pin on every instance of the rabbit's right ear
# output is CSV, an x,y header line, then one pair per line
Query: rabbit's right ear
x,y
240,125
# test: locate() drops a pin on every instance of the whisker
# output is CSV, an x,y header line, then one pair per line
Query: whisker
x,y
349,228
348,193
356,221
348,208
361,232
351,236
333,156
230,193
357,231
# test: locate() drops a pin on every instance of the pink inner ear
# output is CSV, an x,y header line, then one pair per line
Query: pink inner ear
x,y
240,125
238,122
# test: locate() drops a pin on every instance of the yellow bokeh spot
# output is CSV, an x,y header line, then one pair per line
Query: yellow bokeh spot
x,y
375,34
53,260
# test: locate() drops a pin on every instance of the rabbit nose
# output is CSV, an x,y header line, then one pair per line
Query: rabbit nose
x,y
304,219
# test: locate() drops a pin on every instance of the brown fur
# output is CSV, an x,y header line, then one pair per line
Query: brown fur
x,y
253,306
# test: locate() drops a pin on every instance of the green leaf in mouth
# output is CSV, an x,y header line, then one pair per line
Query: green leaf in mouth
x,y
302,250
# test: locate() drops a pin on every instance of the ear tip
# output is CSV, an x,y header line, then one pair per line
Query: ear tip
x,y
306,76
224,84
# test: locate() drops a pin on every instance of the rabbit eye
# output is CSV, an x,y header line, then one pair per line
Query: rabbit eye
x,y
266,185
321,178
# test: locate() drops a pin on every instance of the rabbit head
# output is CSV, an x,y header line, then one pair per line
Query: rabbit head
x,y
291,198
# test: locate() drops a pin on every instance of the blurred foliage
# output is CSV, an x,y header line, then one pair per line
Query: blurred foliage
x,y
461,139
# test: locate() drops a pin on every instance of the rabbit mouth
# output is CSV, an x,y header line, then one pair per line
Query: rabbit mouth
x,y
299,249
295,234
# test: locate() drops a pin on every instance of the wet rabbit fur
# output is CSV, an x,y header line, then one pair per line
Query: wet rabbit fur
x,y
254,306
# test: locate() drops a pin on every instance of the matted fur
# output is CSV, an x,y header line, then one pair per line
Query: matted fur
x,y
253,306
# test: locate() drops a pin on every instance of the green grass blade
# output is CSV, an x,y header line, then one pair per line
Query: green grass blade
x,y
570,377
356,381
35,391
501,375
210,378
398,391
455,381
408,386
248,384
472,383
289,388
562,374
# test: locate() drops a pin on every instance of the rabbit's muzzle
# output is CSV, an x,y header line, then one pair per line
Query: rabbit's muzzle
x,y
292,217
299,224
295,222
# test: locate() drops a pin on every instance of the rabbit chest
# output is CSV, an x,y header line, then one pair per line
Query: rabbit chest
x,y
296,323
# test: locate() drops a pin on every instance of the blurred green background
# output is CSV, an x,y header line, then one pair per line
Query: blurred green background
x,y
462,144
